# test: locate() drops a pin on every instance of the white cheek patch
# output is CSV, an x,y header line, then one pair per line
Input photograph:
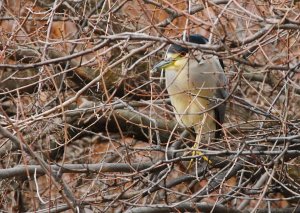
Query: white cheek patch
x,y
171,55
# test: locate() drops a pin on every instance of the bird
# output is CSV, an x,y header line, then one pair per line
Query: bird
x,y
195,81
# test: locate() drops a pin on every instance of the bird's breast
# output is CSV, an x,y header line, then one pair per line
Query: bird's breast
x,y
189,83
194,77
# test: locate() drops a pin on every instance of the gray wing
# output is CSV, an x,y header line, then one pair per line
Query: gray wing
x,y
220,111
222,94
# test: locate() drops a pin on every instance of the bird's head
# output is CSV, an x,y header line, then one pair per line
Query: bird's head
x,y
177,56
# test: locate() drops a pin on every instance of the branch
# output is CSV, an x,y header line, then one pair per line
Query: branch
x,y
21,170
184,207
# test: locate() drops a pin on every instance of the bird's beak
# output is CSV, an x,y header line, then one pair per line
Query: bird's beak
x,y
163,64
160,66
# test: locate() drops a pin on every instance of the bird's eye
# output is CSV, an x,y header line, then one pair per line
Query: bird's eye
x,y
182,54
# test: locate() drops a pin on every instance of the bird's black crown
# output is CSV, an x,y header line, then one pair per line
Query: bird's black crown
x,y
198,39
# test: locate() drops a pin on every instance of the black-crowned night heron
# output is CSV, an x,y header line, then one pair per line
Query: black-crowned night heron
x,y
195,81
